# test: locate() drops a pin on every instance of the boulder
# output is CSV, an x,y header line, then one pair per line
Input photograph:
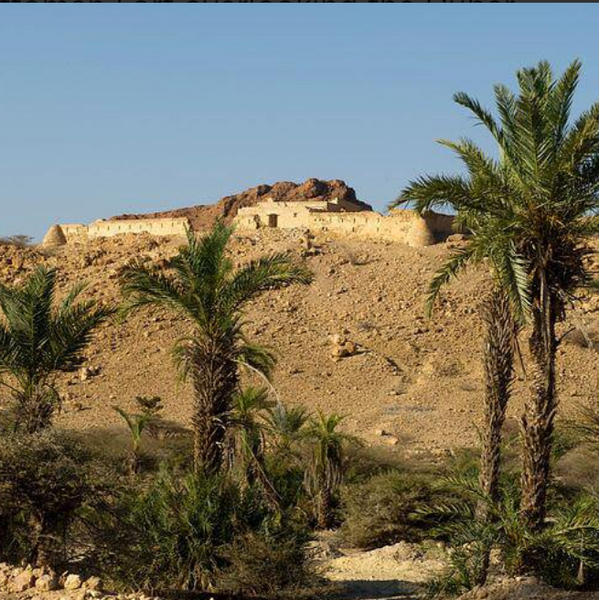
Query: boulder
x,y
23,581
93,583
72,582
343,349
456,240
47,582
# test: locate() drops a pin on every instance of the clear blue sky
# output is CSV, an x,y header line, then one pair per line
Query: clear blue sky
x,y
107,109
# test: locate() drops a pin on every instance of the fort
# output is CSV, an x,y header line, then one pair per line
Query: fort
x,y
334,216
320,206
346,219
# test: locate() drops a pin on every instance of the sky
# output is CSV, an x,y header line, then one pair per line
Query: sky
x,y
114,108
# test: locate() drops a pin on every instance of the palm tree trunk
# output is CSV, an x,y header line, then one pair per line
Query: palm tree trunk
x,y
538,420
324,509
35,407
499,372
215,379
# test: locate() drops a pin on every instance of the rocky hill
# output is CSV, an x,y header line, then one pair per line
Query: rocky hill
x,y
202,217
355,341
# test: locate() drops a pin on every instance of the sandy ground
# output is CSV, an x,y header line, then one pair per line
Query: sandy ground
x,y
397,571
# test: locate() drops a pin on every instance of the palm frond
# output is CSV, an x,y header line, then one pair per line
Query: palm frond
x,y
483,115
258,357
269,272
452,267
430,192
143,286
72,330
512,270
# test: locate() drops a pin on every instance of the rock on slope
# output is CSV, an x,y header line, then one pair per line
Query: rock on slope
x,y
202,217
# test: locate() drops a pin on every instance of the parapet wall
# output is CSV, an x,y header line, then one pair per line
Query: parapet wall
x,y
101,229
403,225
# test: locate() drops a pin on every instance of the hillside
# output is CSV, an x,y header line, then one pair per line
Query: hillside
x,y
417,381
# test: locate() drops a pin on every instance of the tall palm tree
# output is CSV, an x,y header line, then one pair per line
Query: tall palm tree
x,y
202,284
38,339
502,316
532,209
325,473
506,305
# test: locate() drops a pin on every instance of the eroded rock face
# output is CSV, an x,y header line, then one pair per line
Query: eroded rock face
x,y
202,217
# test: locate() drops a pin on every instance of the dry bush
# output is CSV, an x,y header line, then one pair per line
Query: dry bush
x,y
45,480
382,510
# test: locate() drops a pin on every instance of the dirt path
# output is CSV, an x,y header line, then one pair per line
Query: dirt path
x,y
393,572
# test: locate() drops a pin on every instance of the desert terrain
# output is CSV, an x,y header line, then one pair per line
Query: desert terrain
x,y
408,382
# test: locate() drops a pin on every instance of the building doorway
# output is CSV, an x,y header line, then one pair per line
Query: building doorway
x,y
273,220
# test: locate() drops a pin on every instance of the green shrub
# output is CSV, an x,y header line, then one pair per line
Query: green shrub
x,y
287,477
45,479
169,534
382,510
186,531
271,564
565,553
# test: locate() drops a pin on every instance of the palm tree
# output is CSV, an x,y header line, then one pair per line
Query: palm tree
x,y
286,427
325,473
201,284
150,408
532,210
503,309
248,440
136,423
500,341
37,340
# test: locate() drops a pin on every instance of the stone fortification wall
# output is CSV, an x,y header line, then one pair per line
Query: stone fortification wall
x,y
403,225
73,231
290,215
176,226
99,229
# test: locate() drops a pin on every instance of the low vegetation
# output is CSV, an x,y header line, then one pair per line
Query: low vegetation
x,y
19,240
